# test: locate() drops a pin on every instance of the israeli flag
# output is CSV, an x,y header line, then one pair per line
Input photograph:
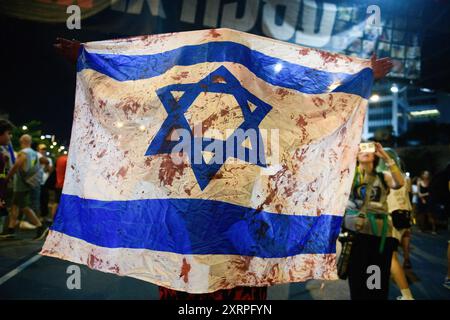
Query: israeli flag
x,y
210,159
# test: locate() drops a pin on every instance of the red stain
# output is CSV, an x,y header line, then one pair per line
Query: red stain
x,y
243,264
318,102
122,172
115,269
181,75
101,103
185,268
289,191
279,208
301,122
213,33
148,162
282,92
129,106
328,57
218,79
101,154
303,51
169,170
224,112
206,124
93,261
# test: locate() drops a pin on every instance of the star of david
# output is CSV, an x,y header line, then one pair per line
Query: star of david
x,y
228,84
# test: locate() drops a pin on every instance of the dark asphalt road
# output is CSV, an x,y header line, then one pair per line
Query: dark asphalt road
x,y
45,278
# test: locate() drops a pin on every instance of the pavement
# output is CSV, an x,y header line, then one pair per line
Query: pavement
x,y
26,275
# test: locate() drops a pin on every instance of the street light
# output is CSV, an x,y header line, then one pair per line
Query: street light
x,y
24,128
375,98
394,88
54,143
42,137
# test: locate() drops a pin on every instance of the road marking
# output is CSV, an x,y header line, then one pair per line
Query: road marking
x,y
19,269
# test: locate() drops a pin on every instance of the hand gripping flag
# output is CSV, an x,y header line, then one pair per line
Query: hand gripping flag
x,y
210,159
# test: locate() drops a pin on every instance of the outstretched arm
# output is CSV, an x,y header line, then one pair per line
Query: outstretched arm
x,y
68,49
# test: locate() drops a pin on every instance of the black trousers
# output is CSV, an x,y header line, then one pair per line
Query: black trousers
x,y
44,201
365,253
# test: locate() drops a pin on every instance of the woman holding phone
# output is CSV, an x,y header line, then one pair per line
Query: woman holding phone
x,y
373,245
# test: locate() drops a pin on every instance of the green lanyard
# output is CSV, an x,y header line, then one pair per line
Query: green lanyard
x,y
374,227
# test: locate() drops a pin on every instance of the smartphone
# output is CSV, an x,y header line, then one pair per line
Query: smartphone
x,y
368,147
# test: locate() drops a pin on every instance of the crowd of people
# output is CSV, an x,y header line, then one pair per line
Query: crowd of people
x,y
28,179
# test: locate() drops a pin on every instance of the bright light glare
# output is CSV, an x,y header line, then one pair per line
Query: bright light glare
x,y
394,89
375,98
278,67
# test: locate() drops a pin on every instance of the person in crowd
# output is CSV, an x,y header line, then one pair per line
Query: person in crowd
x,y
424,208
26,176
367,216
414,200
35,193
47,168
61,164
6,128
70,49
400,208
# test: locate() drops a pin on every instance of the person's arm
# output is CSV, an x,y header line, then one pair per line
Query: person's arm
x,y
69,49
380,67
394,178
21,158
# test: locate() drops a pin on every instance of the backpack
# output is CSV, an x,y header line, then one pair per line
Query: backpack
x,y
33,177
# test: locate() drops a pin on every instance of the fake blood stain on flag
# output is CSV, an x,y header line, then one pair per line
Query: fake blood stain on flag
x,y
153,189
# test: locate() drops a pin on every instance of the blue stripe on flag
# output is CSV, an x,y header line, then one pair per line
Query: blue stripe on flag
x,y
292,76
195,226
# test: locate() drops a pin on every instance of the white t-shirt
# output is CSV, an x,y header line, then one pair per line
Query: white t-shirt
x,y
45,175
399,199
415,190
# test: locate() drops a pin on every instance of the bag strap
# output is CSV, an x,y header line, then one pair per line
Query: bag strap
x,y
370,181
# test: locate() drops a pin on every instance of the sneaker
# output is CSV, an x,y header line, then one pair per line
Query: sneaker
x,y
41,233
447,283
25,225
10,233
404,298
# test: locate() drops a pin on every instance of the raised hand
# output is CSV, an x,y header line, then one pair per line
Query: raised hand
x,y
68,49
380,67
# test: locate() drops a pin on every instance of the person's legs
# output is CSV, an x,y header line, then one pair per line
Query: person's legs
x,y
400,278
35,200
405,242
432,221
44,201
31,215
18,202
